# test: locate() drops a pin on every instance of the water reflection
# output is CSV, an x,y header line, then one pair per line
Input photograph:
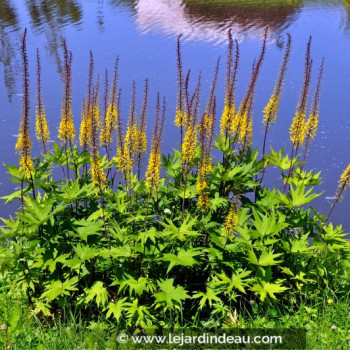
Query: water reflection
x,y
53,12
8,23
209,20
45,16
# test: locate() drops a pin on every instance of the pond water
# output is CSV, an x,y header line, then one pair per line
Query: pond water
x,y
143,33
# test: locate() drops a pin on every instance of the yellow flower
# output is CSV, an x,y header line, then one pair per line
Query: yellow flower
x,y
106,135
297,129
227,119
98,176
123,160
271,109
329,301
85,127
66,130
153,170
189,145
231,221
41,128
180,118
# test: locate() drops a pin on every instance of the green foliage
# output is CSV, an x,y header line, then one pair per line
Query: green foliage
x,y
137,260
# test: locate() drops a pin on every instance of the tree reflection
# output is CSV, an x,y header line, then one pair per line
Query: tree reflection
x,y
8,24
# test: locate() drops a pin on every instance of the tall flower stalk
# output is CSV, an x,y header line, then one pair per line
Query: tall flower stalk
x,y
154,162
24,143
141,142
242,126
343,184
86,118
206,127
41,126
181,114
271,109
111,115
66,130
311,124
229,112
297,129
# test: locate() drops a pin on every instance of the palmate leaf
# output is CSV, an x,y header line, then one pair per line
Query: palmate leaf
x,y
116,309
57,288
139,286
180,233
86,228
71,191
169,294
208,297
267,224
183,258
38,211
84,252
97,291
297,196
267,258
237,281
268,289
277,159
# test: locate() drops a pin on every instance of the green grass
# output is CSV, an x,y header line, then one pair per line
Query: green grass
x,y
327,328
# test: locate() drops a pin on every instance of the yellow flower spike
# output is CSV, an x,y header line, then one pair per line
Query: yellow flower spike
x,y
85,127
41,127
98,176
297,130
153,170
154,161
231,221
312,122
180,118
189,145
66,130
24,145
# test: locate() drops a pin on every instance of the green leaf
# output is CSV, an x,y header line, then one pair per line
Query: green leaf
x,y
183,258
180,233
209,296
267,258
237,281
57,288
270,289
97,291
116,309
169,294
139,286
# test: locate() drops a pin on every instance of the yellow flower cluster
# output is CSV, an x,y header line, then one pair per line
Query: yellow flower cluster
x,y
231,221
141,142
180,118
123,159
26,165
343,182
189,145
202,184
66,130
41,128
227,119
85,128
271,109
98,176
311,126
106,135
153,169
297,129
23,147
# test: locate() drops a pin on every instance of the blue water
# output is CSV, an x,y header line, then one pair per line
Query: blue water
x,y
143,33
